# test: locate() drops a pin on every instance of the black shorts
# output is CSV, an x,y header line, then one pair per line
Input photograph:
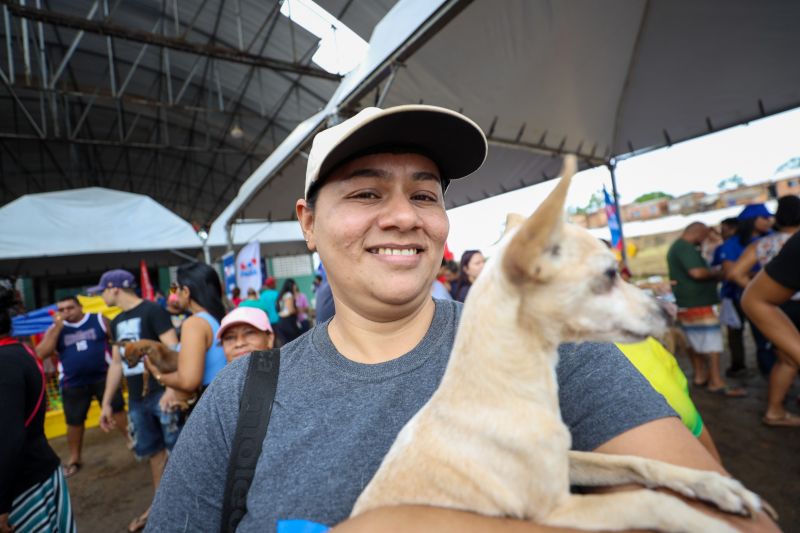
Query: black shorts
x,y
76,401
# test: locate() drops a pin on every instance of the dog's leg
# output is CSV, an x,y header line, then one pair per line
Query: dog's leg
x,y
598,469
146,378
639,509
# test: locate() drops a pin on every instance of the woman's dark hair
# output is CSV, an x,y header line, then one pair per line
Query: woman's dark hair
x,y
745,229
204,287
288,286
313,191
8,298
788,213
463,279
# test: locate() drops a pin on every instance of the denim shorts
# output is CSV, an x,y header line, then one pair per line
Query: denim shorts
x,y
151,429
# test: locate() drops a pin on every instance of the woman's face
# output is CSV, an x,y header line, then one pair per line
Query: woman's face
x,y
474,267
240,339
184,297
379,226
763,224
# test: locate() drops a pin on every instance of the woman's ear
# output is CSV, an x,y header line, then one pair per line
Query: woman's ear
x,y
305,215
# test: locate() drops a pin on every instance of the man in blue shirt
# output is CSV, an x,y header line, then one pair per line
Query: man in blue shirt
x,y
81,342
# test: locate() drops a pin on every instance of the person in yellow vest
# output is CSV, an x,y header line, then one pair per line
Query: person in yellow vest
x,y
661,369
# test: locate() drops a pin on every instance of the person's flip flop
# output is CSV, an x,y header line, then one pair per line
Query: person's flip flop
x,y
71,469
787,420
138,523
729,392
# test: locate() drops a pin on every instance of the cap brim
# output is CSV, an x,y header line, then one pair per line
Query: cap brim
x,y
221,331
95,289
455,143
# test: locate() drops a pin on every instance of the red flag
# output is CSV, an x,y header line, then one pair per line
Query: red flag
x,y
448,255
147,289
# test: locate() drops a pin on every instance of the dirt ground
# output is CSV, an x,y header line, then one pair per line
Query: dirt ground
x,y
112,488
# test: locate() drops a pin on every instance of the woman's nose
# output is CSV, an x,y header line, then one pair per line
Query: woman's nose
x,y
399,213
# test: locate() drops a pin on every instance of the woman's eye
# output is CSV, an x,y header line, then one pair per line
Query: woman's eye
x,y
424,197
364,195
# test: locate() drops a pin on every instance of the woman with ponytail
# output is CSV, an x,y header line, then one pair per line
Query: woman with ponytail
x,y
200,357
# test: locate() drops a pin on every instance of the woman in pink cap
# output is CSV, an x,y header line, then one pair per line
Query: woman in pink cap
x,y
245,330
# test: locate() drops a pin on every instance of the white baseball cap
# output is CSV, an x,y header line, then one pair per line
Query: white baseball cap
x,y
455,143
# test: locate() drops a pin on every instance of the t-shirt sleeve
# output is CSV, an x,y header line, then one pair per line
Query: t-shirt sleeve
x,y
189,497
159,319
602,395
785,268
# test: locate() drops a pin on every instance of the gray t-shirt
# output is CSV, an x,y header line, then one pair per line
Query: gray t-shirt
x,y
333,420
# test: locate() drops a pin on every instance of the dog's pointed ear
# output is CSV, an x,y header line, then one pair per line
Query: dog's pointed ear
x,y
541,233
513,220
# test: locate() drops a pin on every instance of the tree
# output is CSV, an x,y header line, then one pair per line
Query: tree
x,y
656,195
731,183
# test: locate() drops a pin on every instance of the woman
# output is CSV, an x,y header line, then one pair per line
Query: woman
x,y
301,302
374,211
200,357
471,265
754,222
236,296
244,330
288,328
758,254
31,477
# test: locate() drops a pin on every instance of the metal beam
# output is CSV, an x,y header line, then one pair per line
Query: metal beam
x,y
209,50
127,144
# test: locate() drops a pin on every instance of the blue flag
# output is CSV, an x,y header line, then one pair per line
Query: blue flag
x,y
613,222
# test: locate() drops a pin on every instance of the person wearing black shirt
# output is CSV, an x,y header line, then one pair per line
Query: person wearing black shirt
x,y
770,299
33,492
153,431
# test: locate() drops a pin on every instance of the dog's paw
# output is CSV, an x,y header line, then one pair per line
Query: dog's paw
x,y
726,493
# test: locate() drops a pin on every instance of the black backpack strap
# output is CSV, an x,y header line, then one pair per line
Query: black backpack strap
x,y
255,409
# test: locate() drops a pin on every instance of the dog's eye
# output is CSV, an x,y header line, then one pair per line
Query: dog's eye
x,y
611,274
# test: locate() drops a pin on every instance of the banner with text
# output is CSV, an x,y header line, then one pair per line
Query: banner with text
x,y
248,268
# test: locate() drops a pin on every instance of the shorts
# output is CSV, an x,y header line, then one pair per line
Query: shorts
x,y
78,399
151,429
702,328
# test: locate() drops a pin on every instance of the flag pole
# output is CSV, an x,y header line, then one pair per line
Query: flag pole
x,y
612,165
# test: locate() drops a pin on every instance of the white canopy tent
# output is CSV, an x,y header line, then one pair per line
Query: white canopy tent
x,y
605,80
93,229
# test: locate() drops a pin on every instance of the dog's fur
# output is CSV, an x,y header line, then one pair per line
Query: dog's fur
x,y
491,439
164,359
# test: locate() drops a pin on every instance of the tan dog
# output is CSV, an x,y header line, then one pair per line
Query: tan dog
x,y
491,439
164,359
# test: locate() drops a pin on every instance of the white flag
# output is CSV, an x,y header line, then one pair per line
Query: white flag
x,y
248,268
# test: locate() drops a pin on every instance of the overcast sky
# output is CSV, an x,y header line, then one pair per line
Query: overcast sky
x,y
754,152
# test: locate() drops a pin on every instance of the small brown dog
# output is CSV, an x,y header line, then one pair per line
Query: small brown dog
x,y
164,359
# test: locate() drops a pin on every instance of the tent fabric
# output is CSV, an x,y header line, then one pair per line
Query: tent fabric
x,y
89,220
271,191
605,80
95,229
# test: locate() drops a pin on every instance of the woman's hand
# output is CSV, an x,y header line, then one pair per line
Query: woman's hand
x,y
168,401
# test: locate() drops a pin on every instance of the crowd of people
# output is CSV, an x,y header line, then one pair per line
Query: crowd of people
x,y
749,244
373,209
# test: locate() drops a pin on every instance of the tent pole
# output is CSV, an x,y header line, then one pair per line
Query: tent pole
x,y
229,236
612,166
